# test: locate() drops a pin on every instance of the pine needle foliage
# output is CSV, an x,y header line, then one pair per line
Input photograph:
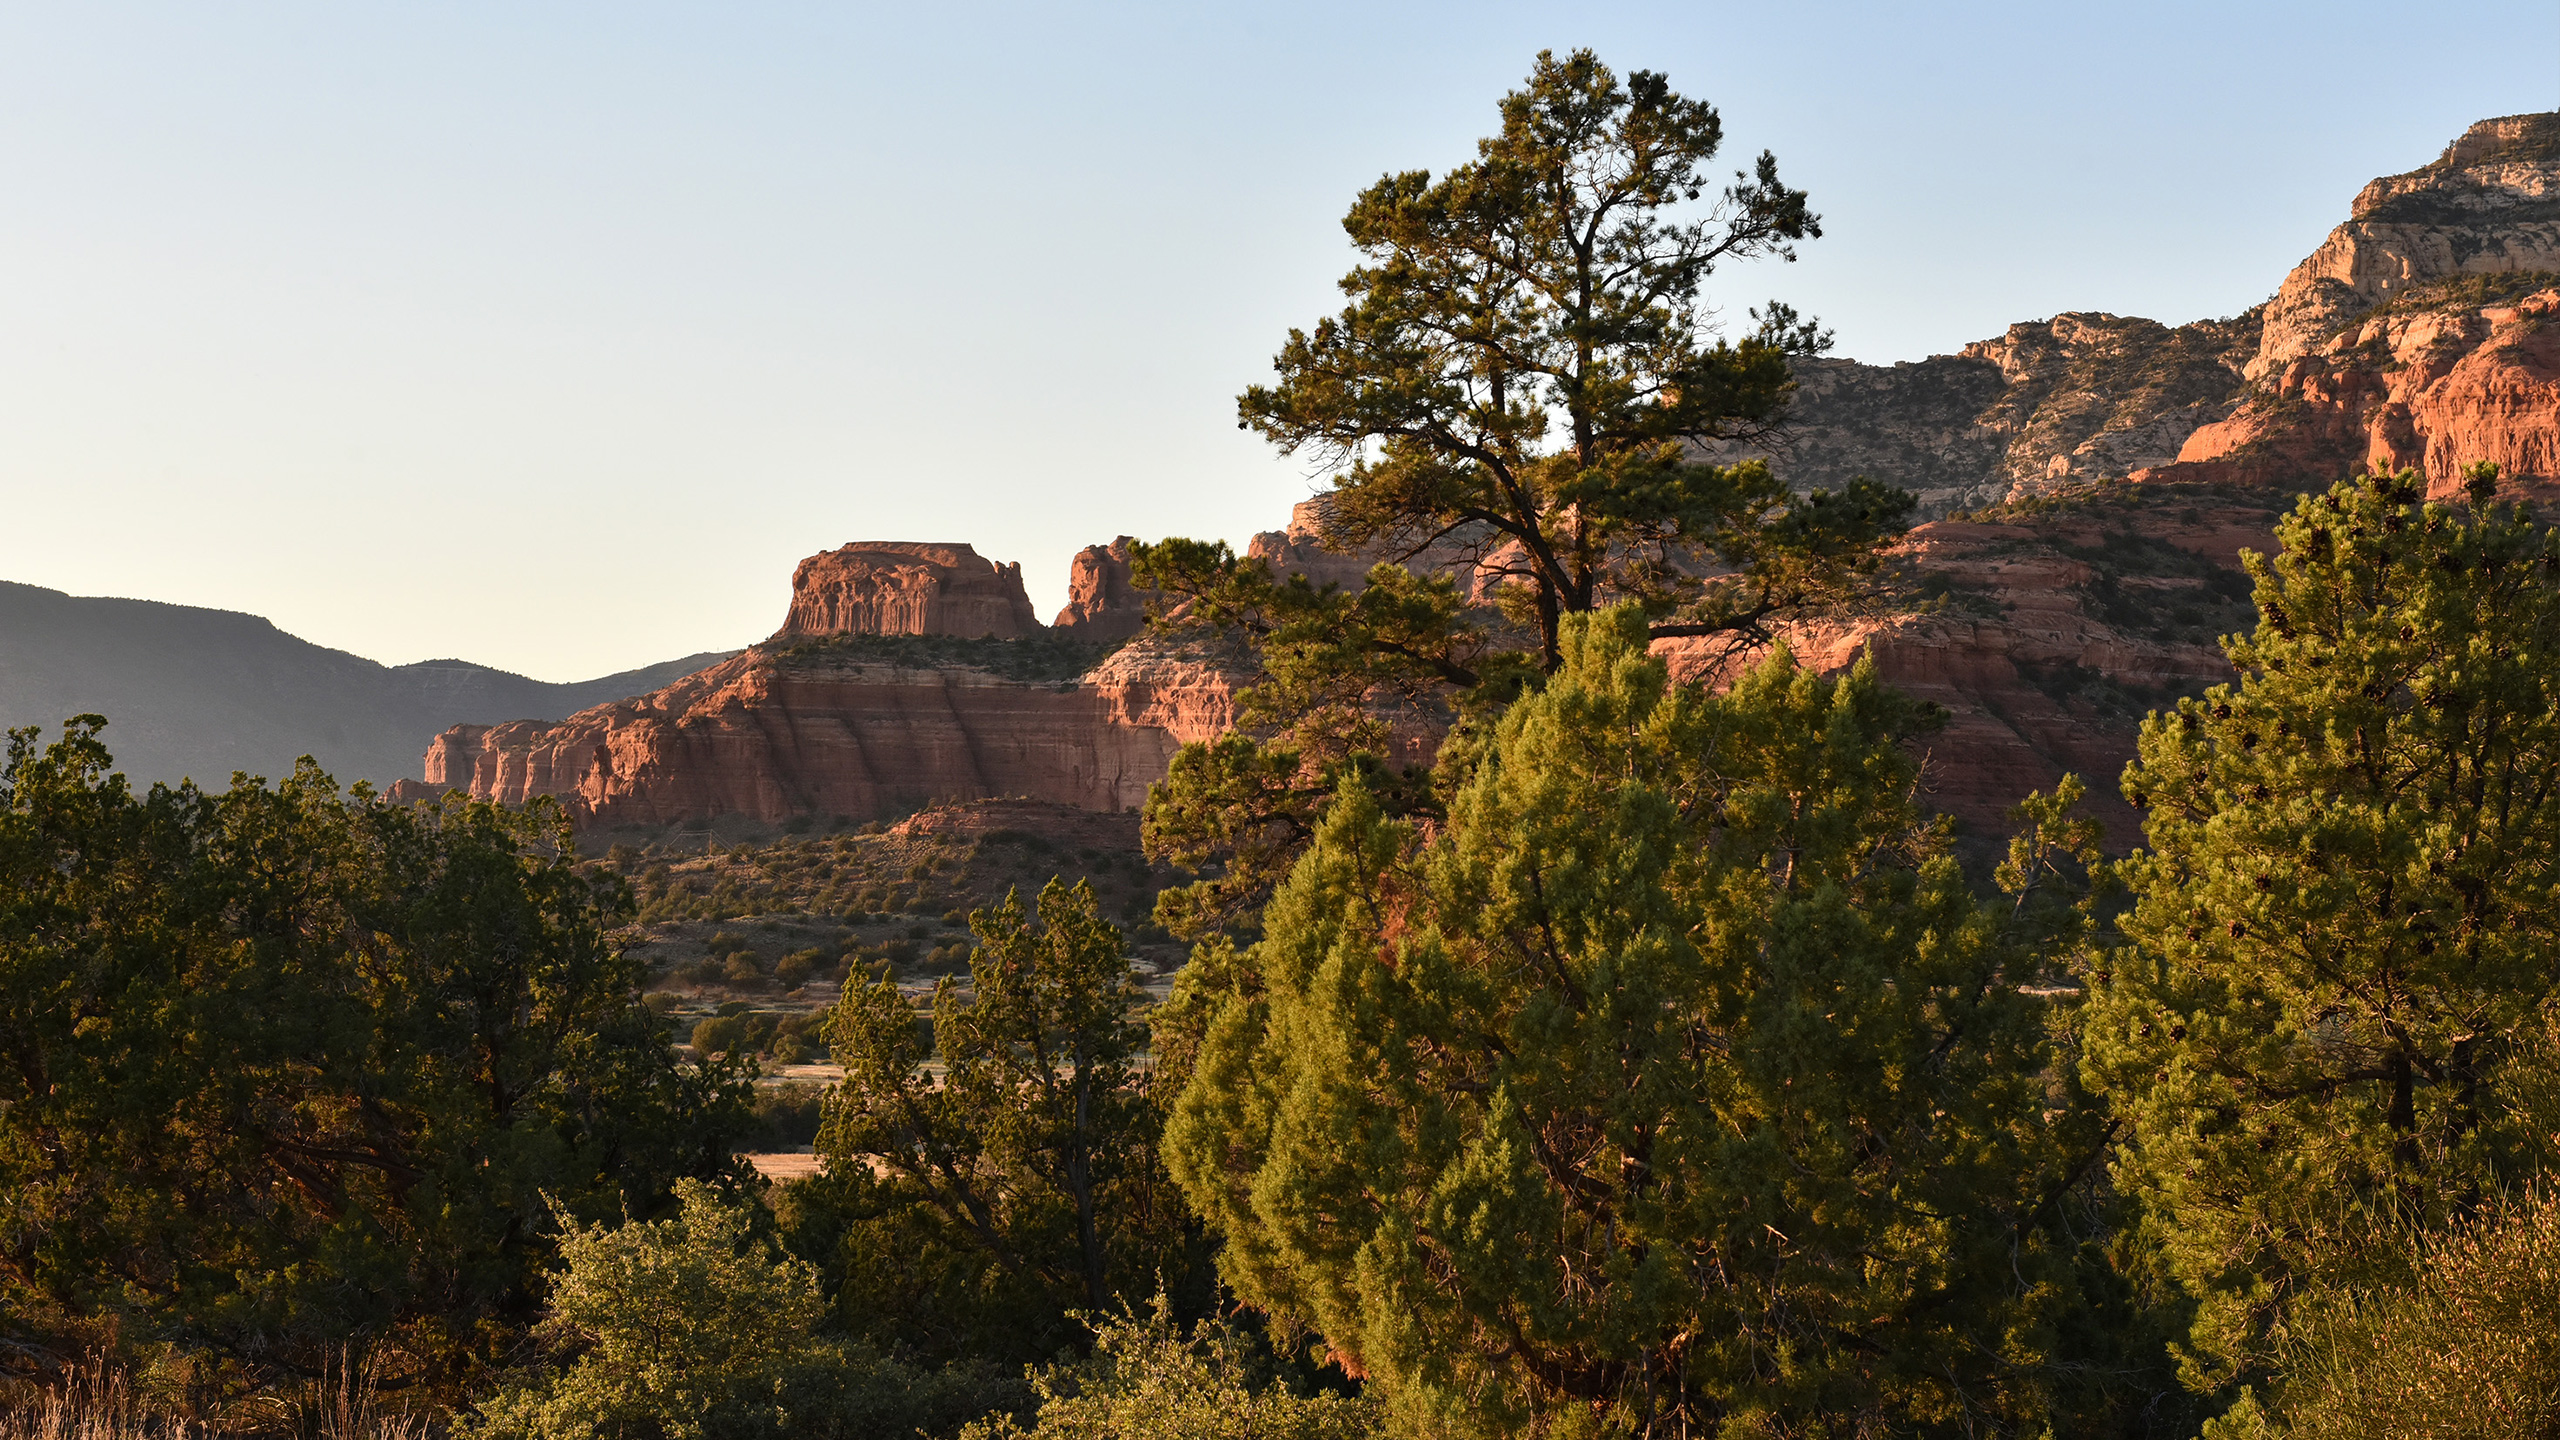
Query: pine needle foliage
x,y
2321,1036
996,1168
286,1067
1513,398
1675,1086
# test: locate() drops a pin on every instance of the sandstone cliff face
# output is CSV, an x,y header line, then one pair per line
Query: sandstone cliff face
x,y
1103,602
2432,387
2490,205
895,588
2091,397
778,732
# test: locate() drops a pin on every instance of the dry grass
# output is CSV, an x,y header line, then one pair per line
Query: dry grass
x,y
2468,1350
96,1402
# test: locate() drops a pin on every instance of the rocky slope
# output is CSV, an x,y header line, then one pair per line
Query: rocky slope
x,y
2088,397
2090,480
2490,205
192,692
2046,629
2434,381
2079,397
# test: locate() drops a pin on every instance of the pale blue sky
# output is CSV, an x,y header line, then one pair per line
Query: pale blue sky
x,y
551,336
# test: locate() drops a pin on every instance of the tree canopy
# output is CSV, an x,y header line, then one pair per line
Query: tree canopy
x,y
1677,1081
283,1068
2336,1008
1513,401
1526,362
1021,1181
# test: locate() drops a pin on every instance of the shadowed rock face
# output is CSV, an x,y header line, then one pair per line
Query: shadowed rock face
x,y
882,587
2051,403
2052,627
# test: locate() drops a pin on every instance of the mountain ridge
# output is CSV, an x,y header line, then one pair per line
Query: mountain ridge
x,y
192,692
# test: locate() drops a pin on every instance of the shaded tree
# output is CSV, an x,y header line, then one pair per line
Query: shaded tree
x,y
996,1167
696,1328
284,1068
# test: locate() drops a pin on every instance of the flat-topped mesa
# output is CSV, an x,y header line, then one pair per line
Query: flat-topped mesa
x,y
889,587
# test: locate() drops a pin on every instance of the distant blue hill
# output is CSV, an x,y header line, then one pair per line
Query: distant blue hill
x,y
193,693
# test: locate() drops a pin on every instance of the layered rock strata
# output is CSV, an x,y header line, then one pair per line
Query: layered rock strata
x,y
885,587
2087,397
2057,611
819,729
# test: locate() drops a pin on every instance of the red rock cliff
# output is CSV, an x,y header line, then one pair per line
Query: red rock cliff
x,y
776,732
1103,602
882,587
2417,335
2434,387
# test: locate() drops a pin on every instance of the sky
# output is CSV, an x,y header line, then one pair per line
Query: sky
x,y
552,336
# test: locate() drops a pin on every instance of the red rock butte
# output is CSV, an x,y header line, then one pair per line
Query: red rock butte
x,y
2425,332
892,587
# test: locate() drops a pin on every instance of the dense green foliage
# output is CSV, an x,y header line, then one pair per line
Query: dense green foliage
x,y
1676,1083
1146,1378
283,1068
995,1166
2332,1021
691,1328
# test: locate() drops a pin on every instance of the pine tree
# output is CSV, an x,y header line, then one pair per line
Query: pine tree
x,y
1677,1082
978,1206
284,1068
2342,948
1522,376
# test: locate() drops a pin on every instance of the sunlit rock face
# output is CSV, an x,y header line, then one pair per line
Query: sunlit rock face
x,y
2051,604
887,587
782,731
2396,341
2490,205
1103,602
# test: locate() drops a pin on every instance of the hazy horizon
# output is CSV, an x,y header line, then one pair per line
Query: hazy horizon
x,y
552,338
